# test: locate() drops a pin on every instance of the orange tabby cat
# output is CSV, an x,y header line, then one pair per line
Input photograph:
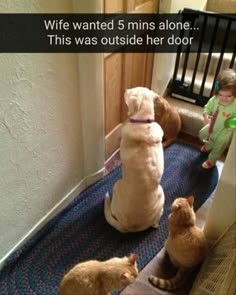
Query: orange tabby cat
x,y
186,244
169,119
99,277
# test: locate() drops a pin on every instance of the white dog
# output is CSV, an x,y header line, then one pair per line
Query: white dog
x,y
138,198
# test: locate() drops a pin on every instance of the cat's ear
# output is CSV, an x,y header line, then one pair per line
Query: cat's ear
x,y
175,207
191,200
132,258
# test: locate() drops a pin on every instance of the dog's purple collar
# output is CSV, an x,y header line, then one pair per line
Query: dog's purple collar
x,y
132,120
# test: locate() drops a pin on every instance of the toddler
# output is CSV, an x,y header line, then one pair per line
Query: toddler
x,y
220,107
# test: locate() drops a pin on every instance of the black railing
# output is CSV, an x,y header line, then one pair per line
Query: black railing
x,y
213,49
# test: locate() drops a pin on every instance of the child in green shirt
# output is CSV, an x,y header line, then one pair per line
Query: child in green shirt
x,y
214,134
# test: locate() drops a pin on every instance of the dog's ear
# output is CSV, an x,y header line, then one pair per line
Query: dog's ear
x,y
127,94
154,95
132,101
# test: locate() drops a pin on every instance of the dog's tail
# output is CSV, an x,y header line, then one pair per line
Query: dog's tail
x,y
109,217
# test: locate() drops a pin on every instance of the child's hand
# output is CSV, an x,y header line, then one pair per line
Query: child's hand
x,y
207,118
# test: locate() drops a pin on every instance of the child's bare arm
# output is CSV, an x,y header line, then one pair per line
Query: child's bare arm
x,y
207,118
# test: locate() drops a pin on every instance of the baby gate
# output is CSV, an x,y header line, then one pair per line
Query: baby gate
x,y
212,50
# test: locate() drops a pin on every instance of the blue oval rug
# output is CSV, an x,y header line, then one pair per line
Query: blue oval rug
x,y
80,231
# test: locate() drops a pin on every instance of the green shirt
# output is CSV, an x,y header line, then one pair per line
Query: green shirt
x,y
224,112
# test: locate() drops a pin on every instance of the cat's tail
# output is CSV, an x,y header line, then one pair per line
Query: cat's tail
x,y
111,219
169,284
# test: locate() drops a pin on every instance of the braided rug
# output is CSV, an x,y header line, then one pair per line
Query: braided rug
x,y
80,231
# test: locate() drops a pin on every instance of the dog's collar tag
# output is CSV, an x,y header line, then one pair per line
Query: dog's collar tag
x,y
132,120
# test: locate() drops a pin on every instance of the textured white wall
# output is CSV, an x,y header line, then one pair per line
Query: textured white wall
x,y
42,131
40,150
36,6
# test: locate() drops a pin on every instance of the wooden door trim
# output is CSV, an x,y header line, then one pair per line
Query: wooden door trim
x,y
112,140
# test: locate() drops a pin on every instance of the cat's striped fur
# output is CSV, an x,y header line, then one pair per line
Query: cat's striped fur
x,y
186,243
169,284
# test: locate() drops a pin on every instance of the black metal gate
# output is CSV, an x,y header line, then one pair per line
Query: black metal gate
x,y
213,49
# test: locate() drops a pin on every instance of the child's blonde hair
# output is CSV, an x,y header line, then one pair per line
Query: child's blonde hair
x,y
226,80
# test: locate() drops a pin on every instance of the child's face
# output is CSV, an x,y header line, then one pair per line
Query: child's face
x,y
225,97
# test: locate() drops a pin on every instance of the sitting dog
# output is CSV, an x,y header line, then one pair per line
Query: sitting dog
x,y
138,198
169,120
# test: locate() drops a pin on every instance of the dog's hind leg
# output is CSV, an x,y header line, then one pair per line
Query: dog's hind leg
x,y
109,217
156,223
161,197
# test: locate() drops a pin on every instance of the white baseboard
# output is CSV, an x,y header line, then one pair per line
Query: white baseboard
x,y
83,184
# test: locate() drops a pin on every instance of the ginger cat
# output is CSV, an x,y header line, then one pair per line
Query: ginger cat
x,y
100,277
186,244
169,120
